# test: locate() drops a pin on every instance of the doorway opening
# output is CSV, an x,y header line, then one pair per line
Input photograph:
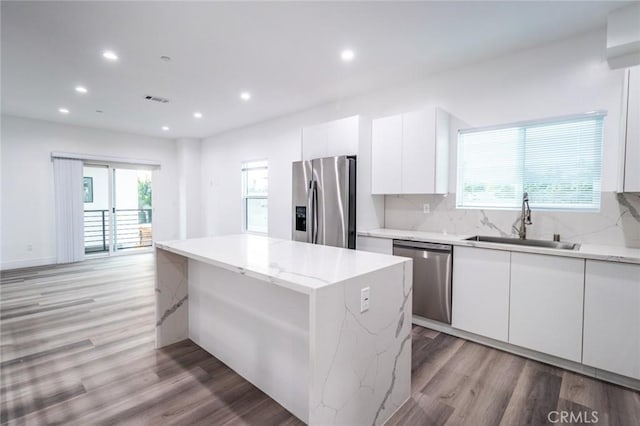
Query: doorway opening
x,y
118,209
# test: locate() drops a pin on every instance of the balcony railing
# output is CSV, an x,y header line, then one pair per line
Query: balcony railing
x,y
132,228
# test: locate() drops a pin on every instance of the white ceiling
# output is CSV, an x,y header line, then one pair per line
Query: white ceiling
x,y
286,54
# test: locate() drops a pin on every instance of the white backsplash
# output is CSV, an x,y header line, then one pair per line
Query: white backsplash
x,y
617,223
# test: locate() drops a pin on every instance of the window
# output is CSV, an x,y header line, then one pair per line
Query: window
x,y
558,162
255,186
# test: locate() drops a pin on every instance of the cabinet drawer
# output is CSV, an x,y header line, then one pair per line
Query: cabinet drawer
x,y
375,245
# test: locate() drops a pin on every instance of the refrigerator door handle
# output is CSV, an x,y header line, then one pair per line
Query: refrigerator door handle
x,y
315,212
310,212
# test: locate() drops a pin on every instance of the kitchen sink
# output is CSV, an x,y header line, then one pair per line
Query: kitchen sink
x,y
517,241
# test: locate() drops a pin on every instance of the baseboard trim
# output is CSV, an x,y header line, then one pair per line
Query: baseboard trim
x,y
576,367
26,263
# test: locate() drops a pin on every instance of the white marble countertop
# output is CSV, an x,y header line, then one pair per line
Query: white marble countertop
x,y
586,251
295,265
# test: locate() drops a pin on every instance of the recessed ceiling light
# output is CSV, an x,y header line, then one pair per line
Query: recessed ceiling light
x,y
197,114
245,96
109,55
165,128
81,89
63,111
99,111
347,55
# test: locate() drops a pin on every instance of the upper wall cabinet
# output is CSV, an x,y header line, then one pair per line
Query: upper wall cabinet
x,y
338,137
386,155
629,179
410,153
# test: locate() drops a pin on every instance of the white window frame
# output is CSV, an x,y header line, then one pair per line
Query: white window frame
x,y
245,167
521,126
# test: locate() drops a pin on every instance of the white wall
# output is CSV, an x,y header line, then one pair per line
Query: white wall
x,y
221,176
567,77
27,182
189,187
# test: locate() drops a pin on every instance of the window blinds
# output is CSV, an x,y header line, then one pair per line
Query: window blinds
x,y
69,210
557,162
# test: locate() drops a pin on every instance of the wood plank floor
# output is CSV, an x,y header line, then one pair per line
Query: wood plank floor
x,y
78,348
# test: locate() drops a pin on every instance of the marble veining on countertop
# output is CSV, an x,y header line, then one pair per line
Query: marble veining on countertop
x,y
296,265
586,251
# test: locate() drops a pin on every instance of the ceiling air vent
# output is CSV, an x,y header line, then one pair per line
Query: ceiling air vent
x,y
156,99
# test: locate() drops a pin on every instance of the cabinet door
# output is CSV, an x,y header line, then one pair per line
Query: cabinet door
x,y
342,136
632,133
612,317
481,291
418,152
314,141
386,155
443,126
375,245
546,304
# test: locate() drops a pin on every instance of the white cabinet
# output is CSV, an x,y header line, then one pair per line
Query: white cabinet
x,y
374,244
629,179
338,137
546,304
418,165
314,141
612,317
481,291
342,136
386,155
410,153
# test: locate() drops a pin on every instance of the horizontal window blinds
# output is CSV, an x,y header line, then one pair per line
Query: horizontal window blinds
x,y
557,162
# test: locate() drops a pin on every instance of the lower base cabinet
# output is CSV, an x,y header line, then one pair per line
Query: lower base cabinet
x,y
546,304
587,311
612,317
480,291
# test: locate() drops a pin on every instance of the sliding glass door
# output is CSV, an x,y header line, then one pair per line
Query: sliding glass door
x,y
132,209
118,209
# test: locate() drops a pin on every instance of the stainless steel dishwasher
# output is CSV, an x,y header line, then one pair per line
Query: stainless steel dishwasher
x,y
431,278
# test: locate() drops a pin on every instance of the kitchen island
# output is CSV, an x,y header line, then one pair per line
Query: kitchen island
x,y
292,318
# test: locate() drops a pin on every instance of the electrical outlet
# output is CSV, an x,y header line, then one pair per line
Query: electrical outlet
x,y
364,299
426,208
29,247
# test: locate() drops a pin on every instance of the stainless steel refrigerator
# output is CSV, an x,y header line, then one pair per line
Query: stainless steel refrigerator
x,y
324,201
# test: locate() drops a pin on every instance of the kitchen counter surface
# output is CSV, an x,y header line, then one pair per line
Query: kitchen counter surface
x,y
586,251
295,265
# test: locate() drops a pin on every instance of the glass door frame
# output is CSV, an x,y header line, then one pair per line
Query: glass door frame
x,y
112,209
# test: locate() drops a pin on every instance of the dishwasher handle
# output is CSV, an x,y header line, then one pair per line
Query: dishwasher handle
x,y
420,245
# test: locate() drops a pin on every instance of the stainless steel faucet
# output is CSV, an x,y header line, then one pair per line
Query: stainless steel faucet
x,y
525,217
